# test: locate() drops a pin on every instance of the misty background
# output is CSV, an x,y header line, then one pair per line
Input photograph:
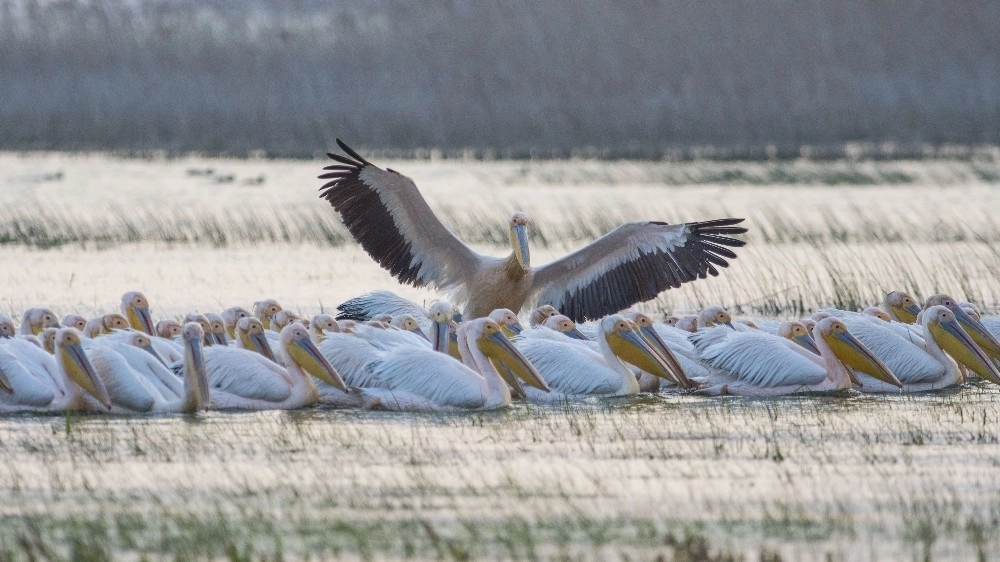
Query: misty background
x,y
511,79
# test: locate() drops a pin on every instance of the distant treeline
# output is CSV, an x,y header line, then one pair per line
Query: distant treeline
x,y
611,79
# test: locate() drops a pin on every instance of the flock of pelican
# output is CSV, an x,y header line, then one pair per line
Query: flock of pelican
x,y
385,352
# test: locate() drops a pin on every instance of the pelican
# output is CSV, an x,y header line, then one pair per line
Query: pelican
x,y
424,380
35,320
440,315
218,328
136,379
760,364
714,316
265,310
7,329
76,376
168,329
572,370
386,214
647,328
244,380
283,318
74,321
250,336
37,360
105,325
206,326
320,325
135,308
540,313
231,316
901,307
943,333
507,320
975,329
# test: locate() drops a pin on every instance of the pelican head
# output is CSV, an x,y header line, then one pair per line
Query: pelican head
x,y
69,353
713,316
539,315
630,346
74,321
300,349
217,327
265,310
971,309
507,320
671,320
231,316
644,324
35,320
901,307
877,313
250,335
112,322
440,313
198,395
6,327
687,323
979,334
564,326
852,352
283,318
135,307
798,333
142,341
409,324
206,326
944,326
323,323
519,239
48,337
491,341
168,329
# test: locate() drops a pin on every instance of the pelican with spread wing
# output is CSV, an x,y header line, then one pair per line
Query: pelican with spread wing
x,y
635,262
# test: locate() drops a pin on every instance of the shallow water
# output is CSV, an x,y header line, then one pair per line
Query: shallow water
x,y
843,477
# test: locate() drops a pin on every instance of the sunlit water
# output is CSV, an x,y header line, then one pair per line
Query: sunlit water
x,y
848,477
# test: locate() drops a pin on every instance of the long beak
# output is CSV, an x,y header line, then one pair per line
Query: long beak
x,y
220,339
420,333
656,342
80,370
498,348
5,384
439,337
516,390
953,339
149,349
975,329
855,355
306,355
516,327
259,342
195,363
631,347
906,314
140,319
576,334
807,342
519,239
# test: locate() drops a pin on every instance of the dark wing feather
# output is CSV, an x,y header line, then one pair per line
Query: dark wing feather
x,y
386,214
634,263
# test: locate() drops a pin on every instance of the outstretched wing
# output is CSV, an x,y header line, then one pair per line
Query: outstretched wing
x,y
634,263
390,219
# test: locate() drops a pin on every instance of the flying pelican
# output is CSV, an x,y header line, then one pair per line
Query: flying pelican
x,y
386,214
943,333
35,320
573,370
417,379
760,364
244,380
